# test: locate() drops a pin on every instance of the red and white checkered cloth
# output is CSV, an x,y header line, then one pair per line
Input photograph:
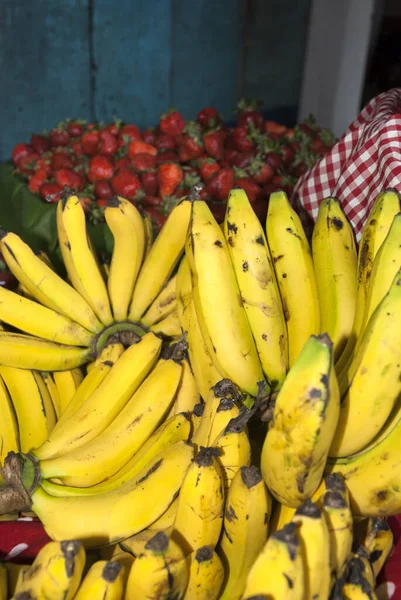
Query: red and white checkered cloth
x,y
365,161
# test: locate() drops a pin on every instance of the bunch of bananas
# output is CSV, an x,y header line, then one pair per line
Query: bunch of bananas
x,y
150,375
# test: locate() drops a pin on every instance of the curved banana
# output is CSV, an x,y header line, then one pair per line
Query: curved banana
x,y
169,326
24,352
35,319
104,581
44,284
225,412
378,542
124,378
32,405
375,230
67,383
53,393
354,585
199,517
292,259
9,432
86,269
106,454
218,304
281,516
374,383
206,575
334,261
3,583
101,366
148,232
56,571
315,541
246,526
162,258
163,305
187,395
278,571
169,433
205,373
303,425
127,254
115,515
340,524
160,573
256,279
196,418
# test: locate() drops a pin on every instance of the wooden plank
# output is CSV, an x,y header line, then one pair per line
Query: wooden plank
x,y
207,55
275,41
131,51
44,66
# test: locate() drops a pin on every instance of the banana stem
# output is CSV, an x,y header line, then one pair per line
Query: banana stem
x,y
125,332
22,476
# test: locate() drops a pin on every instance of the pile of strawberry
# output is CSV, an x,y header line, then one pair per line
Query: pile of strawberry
x,y
157,166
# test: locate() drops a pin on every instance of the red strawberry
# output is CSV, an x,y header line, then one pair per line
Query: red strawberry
x,y
114,128
248,116
103,189
269,188
76,147
149,135
58,137
166,156
252,189
158,218
37,180
44,164
102,202
214,143
260,208
208,117
75,128
87,203
274,130
150,182
19,151
137,147
61,160
287,154
90,142
208,168
108,143
164,141
242,159
27,164
125,183
152,201
122,162
172,123
261,171
39,143
274,160
143,161
285,183
50,192
100,167
191,145
69,178
169,175
219,185
241,140
229,155
127,134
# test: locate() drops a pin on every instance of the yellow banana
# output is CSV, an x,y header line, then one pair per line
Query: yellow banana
x,y
281,515
206,575
67,383
196,418
334,262
148,231
219,309
378,542
35,319
292,259
187,393
278,571
246,525
32,405
169,326
127,254
357,583
339,522
170,432
102,365
14,575
106,454
199,517
303,425
315,542
375,230
374,378
256,279
9,432
163,305
225,412
56,571
3,583
104,581
107,401
162,258
160,573
361,555
44,284
205,373
53,393
115,515
24,352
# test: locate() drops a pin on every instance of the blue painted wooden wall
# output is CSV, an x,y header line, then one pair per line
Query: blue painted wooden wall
x,y
96,59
